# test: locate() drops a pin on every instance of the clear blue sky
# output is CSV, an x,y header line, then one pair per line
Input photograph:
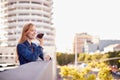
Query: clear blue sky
x,y
96,17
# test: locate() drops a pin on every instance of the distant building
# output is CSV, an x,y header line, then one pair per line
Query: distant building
x,y
82,41
117,48
112,48
101,45
85,43
7,55
93,48
105,43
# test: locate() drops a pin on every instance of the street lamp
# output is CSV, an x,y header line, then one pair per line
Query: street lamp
x,y
76,51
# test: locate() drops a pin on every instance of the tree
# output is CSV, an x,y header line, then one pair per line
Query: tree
x,y
104,74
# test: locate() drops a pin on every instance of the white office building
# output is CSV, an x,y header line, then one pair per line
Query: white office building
x,y
16,13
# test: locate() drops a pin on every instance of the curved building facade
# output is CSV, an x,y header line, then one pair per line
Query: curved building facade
x,y
16,13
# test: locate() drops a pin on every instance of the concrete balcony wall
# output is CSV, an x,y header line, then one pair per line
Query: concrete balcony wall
x,y
38,70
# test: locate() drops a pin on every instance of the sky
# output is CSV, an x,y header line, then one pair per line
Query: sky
x,y
100,18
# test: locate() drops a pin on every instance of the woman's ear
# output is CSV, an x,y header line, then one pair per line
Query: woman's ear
x,y
26,34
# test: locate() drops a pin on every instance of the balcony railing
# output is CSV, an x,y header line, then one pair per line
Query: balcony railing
x,y
38,70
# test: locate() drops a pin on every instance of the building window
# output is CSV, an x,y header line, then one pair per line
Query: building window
x,y
12,53
19,20
24,14
11,39
24,2
11,27
11,9
36,14
34,8
0,57
46,16
46,4
35,2
11,3
10,21
12,57
21,8
39,20
6,57
10,33
11,15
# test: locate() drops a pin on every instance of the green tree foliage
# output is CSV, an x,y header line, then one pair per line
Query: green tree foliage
x,y
113,55
81,57
69,73
64,59
104,74
91,77
101,57
96,56
88,57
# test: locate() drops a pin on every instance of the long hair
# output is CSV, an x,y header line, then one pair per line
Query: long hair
x,y
24,32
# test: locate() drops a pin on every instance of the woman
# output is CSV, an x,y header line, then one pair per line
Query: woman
x,y
26,49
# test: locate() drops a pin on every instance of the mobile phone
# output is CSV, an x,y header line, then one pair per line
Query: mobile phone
x,y
40,35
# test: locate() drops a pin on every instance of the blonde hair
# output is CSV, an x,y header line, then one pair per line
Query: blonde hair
x,y
23,37
24,32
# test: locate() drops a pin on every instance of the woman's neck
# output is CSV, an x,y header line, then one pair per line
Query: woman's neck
x,y
30,41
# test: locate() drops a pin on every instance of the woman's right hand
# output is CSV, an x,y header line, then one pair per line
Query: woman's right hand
x,y
41,41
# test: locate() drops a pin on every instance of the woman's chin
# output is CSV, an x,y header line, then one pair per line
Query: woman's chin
x,y
31,38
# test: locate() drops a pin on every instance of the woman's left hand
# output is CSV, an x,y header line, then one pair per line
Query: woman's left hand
x,y
47,58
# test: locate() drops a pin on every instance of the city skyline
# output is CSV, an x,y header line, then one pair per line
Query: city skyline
x,y
97,18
